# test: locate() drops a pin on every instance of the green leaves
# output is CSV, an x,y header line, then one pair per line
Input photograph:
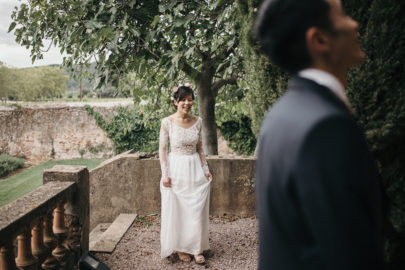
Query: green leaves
x,y
93,24
12,26
9,164
376,90
128,31
189,52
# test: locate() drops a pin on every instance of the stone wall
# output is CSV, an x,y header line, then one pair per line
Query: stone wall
x,y
129,183
40,133
60,131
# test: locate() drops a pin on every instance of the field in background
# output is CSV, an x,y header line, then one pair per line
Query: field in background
x,y
68,100
22,183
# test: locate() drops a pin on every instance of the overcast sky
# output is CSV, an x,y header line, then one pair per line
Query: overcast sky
x,y
12,53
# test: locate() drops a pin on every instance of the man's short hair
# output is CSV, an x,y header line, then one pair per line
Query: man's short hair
x,y
281,27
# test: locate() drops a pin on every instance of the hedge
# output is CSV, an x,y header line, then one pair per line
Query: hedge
x,y
9,164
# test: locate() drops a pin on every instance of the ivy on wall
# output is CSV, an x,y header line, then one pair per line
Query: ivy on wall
x,y
377,92
239,135
129,129
264,81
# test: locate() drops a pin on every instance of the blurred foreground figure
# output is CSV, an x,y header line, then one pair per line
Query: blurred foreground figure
x,y
319,196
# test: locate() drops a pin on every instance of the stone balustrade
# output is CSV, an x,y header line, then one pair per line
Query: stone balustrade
x,y
47,228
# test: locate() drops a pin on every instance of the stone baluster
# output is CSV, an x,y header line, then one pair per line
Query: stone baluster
x,y
50,242
60,232
7,259
25,260
49,237
39,250
77,205
74,235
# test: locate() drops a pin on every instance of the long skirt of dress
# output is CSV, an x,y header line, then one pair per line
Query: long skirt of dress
x,y
185,207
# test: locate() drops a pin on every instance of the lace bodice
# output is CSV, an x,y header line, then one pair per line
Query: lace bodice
x,y
185,141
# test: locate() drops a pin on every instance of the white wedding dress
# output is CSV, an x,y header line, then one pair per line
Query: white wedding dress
x,y
185,205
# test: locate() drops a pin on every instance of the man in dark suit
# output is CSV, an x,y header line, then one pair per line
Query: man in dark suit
x,y
318,192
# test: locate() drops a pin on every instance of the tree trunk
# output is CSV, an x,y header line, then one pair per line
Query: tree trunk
x,y
206,108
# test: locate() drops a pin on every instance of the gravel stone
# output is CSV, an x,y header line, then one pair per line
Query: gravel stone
x,y
233,241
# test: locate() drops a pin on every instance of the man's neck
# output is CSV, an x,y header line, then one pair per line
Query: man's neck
x,y
340,74
328,80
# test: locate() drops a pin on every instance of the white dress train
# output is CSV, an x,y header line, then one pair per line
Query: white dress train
x,y
185,205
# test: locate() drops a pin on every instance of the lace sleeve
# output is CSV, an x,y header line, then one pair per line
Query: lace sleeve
x,y
201,151
163,146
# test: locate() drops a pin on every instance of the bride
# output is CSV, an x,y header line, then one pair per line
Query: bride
x,y
185,182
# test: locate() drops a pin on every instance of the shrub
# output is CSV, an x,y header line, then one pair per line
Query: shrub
x,y
95,149
9,164
239,135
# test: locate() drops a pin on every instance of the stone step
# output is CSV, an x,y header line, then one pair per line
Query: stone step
x,y
96,233
109,239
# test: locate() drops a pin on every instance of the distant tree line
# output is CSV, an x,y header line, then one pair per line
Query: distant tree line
x,y
54,81
90,86
32,84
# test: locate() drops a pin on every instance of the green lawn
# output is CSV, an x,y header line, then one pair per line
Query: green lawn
x,y
20,184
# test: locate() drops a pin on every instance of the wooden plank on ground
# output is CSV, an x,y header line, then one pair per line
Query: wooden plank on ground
x,y
110,238
96,234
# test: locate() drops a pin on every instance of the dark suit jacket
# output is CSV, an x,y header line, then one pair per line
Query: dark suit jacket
x,y
318,192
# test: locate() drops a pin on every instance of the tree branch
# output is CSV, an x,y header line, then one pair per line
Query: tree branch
x,y
223,67
48,47
218,84
223,54
203,55
189,70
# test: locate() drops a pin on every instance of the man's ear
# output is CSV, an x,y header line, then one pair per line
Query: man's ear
x,y
318,42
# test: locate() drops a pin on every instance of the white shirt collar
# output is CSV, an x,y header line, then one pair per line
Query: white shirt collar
x,y
328,80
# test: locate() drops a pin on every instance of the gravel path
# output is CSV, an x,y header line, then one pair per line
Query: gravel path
x,y
233,241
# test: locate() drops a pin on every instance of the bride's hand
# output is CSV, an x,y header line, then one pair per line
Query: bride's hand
x,y
167,182
209,176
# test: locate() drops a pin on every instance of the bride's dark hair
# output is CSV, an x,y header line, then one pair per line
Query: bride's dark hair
x,y
181,93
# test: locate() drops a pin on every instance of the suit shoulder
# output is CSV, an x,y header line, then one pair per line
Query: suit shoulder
x,y
297,113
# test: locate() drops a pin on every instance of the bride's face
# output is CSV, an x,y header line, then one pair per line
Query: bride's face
x,y
184,106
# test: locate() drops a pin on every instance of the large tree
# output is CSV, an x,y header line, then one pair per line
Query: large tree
x,y
193,39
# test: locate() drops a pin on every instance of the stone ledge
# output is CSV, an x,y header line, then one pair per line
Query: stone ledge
x,y
18,215
155,156
128,183
63,173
